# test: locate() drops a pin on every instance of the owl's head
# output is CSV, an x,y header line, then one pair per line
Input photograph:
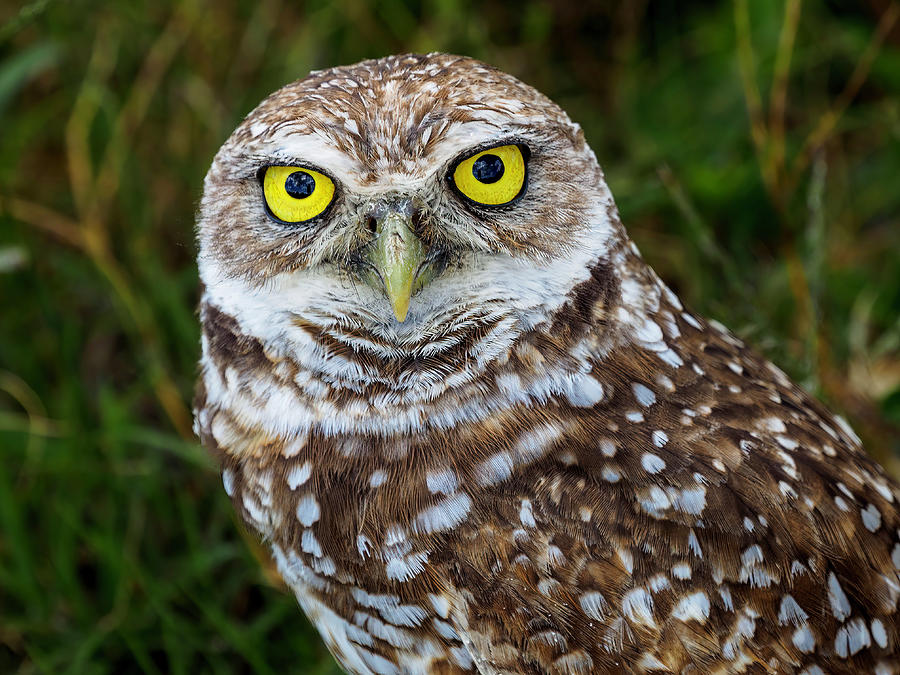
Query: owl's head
x,y
402,206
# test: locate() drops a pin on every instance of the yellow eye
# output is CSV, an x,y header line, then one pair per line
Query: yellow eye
x,y
294,194
493,176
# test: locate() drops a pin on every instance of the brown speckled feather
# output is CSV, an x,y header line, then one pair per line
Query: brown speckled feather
x,y
550,466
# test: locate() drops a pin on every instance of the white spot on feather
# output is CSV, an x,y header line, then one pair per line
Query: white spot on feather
x,y
609,474
643,394
535,442
691,500
803,639
694,544
652,463
847,429
879,634
495,469
665,382
298,475
228,482
650,334
441,482
659,582
787,490
307,510
462,657
445,630
555,556
295,445
790,611
725,594
441,605
871,517
851,638
526,515
637,606
377,663
787,443
840,605
884,491
681,571
650,662
309,544
690,320
692,607
655,501
774,425
585,392
446,514
403,569
752,555
671,358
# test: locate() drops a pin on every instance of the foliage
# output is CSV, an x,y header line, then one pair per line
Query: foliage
x,y
754,149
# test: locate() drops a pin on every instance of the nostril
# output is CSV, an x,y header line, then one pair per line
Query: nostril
x,y
372,224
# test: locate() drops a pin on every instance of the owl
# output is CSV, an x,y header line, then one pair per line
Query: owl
x,y
477,431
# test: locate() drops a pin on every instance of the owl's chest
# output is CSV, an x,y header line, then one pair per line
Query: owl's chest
x,y
376,629
344,514
365,578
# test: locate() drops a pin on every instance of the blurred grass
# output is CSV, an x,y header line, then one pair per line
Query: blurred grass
x,y
753,147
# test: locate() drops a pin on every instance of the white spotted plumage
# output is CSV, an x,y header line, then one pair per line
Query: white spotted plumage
x,y
550,465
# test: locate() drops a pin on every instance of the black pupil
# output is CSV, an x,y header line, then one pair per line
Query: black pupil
x,y
488,169
300,185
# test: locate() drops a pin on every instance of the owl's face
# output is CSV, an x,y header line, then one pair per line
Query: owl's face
x,y
399,206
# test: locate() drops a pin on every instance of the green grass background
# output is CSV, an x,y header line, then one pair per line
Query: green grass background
x,y
753,148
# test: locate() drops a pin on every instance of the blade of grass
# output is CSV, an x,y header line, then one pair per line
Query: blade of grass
x,y
817,346
87,101
828,121
24,66
747,68
43,218
778,94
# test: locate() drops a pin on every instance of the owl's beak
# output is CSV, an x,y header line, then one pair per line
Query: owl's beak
x,y
397,254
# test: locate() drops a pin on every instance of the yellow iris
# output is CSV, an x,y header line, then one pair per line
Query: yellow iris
x,y
494,176
295,194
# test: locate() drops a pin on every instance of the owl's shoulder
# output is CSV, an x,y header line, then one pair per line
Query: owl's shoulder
x,y
707,512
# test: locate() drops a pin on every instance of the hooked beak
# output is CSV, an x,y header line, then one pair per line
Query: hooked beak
x,y
397,255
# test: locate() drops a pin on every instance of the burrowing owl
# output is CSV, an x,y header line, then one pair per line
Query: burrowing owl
x,y
476,429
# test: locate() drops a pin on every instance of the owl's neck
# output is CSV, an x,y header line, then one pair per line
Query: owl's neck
x,y
354,385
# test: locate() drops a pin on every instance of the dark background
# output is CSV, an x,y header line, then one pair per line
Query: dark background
x,y
753,148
